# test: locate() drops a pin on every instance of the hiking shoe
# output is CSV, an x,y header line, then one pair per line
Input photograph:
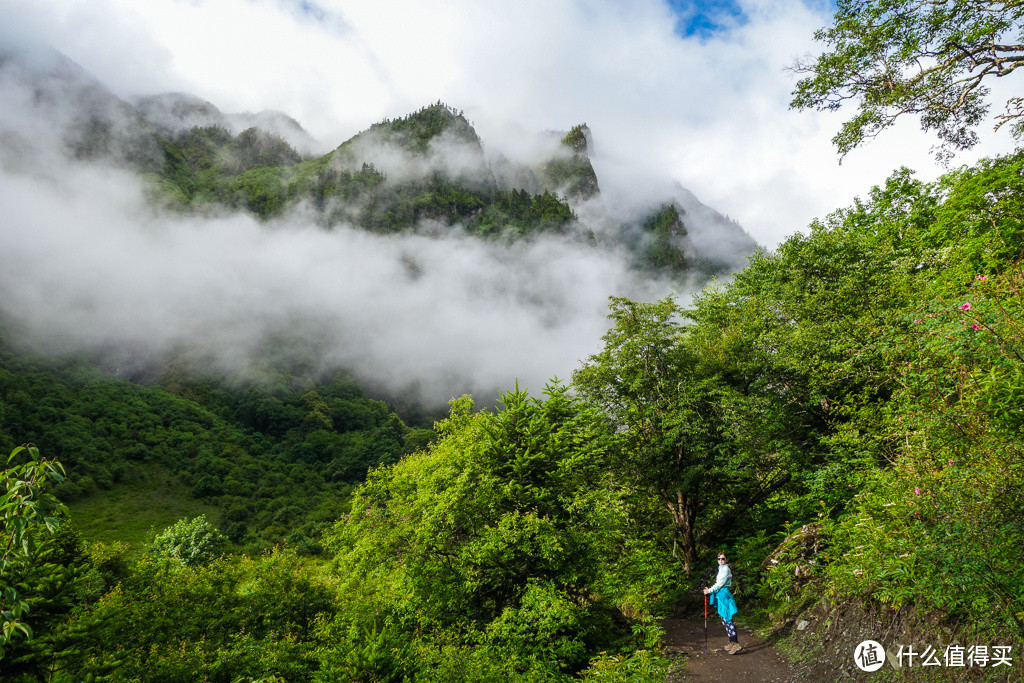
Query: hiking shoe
x,y
733,648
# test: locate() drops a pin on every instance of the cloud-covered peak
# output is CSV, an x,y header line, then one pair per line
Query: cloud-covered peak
x,y
434,276
55,107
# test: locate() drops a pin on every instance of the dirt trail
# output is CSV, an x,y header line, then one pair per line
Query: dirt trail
x,y
758,660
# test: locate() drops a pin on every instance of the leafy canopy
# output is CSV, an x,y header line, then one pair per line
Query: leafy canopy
x,y
649,381
29,515
498,535
931,58
192,542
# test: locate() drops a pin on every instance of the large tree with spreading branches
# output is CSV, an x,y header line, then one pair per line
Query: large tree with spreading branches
x,y
932,58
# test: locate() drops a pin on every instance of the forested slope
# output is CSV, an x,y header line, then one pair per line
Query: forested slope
x,y
844,417
277,461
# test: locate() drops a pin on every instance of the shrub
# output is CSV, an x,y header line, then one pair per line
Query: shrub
x,y
191,542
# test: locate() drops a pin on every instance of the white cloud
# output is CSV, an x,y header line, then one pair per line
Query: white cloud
x,y
710,113
85,263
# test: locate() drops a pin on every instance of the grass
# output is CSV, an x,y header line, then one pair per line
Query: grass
x,y
145,502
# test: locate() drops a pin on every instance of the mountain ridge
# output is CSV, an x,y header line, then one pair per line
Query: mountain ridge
x,y
428,165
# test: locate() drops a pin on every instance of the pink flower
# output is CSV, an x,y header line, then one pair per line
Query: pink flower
x,y
917,491
975,326
965,307
982,278
950,462
917,322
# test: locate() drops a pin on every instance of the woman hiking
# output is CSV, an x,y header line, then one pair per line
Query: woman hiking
x,y
722,598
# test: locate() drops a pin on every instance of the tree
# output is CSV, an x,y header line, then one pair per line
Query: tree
x,y
499,532
233,619
648,381
28,517
931,58
500,499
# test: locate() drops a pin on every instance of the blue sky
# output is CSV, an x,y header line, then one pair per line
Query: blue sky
x,y
702,19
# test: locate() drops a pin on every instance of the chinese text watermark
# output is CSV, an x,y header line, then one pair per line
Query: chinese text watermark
x,y
869,655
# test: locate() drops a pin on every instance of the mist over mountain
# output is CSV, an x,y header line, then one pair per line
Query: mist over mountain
x,y
54,111
175,113
415,255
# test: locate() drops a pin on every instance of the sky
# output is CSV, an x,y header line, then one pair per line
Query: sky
x,y
696,93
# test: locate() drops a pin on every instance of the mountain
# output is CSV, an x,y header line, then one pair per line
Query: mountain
x,y
412,255
568,170
428,172
176,113
51,99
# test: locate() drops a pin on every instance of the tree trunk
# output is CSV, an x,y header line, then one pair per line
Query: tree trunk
x,y
684,515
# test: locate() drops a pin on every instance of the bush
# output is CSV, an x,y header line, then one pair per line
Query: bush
x,y
191,542
232,619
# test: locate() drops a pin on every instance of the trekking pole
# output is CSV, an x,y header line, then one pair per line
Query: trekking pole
x,y
705,623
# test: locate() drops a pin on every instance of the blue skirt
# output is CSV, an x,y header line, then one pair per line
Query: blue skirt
x,y
725,603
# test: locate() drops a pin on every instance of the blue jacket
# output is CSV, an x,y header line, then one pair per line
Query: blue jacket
x,y
726,604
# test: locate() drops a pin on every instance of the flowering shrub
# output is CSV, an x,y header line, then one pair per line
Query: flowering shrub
x,y
941,527
192,542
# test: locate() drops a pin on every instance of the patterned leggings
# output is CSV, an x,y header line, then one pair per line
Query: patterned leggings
x,y
730,629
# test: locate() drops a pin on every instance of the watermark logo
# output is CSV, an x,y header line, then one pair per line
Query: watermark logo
x,y
869,655
983,656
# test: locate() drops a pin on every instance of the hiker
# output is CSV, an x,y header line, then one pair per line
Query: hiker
x,y
721,596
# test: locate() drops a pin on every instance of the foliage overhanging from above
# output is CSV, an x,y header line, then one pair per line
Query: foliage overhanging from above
x,y
934,59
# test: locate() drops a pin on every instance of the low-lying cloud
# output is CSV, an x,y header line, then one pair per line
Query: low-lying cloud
x,y
87,265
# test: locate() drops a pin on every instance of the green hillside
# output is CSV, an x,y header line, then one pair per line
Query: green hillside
x,y
844,417
207,169
259,172
276,462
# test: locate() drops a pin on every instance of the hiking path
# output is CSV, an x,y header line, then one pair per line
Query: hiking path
x,y
757,662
